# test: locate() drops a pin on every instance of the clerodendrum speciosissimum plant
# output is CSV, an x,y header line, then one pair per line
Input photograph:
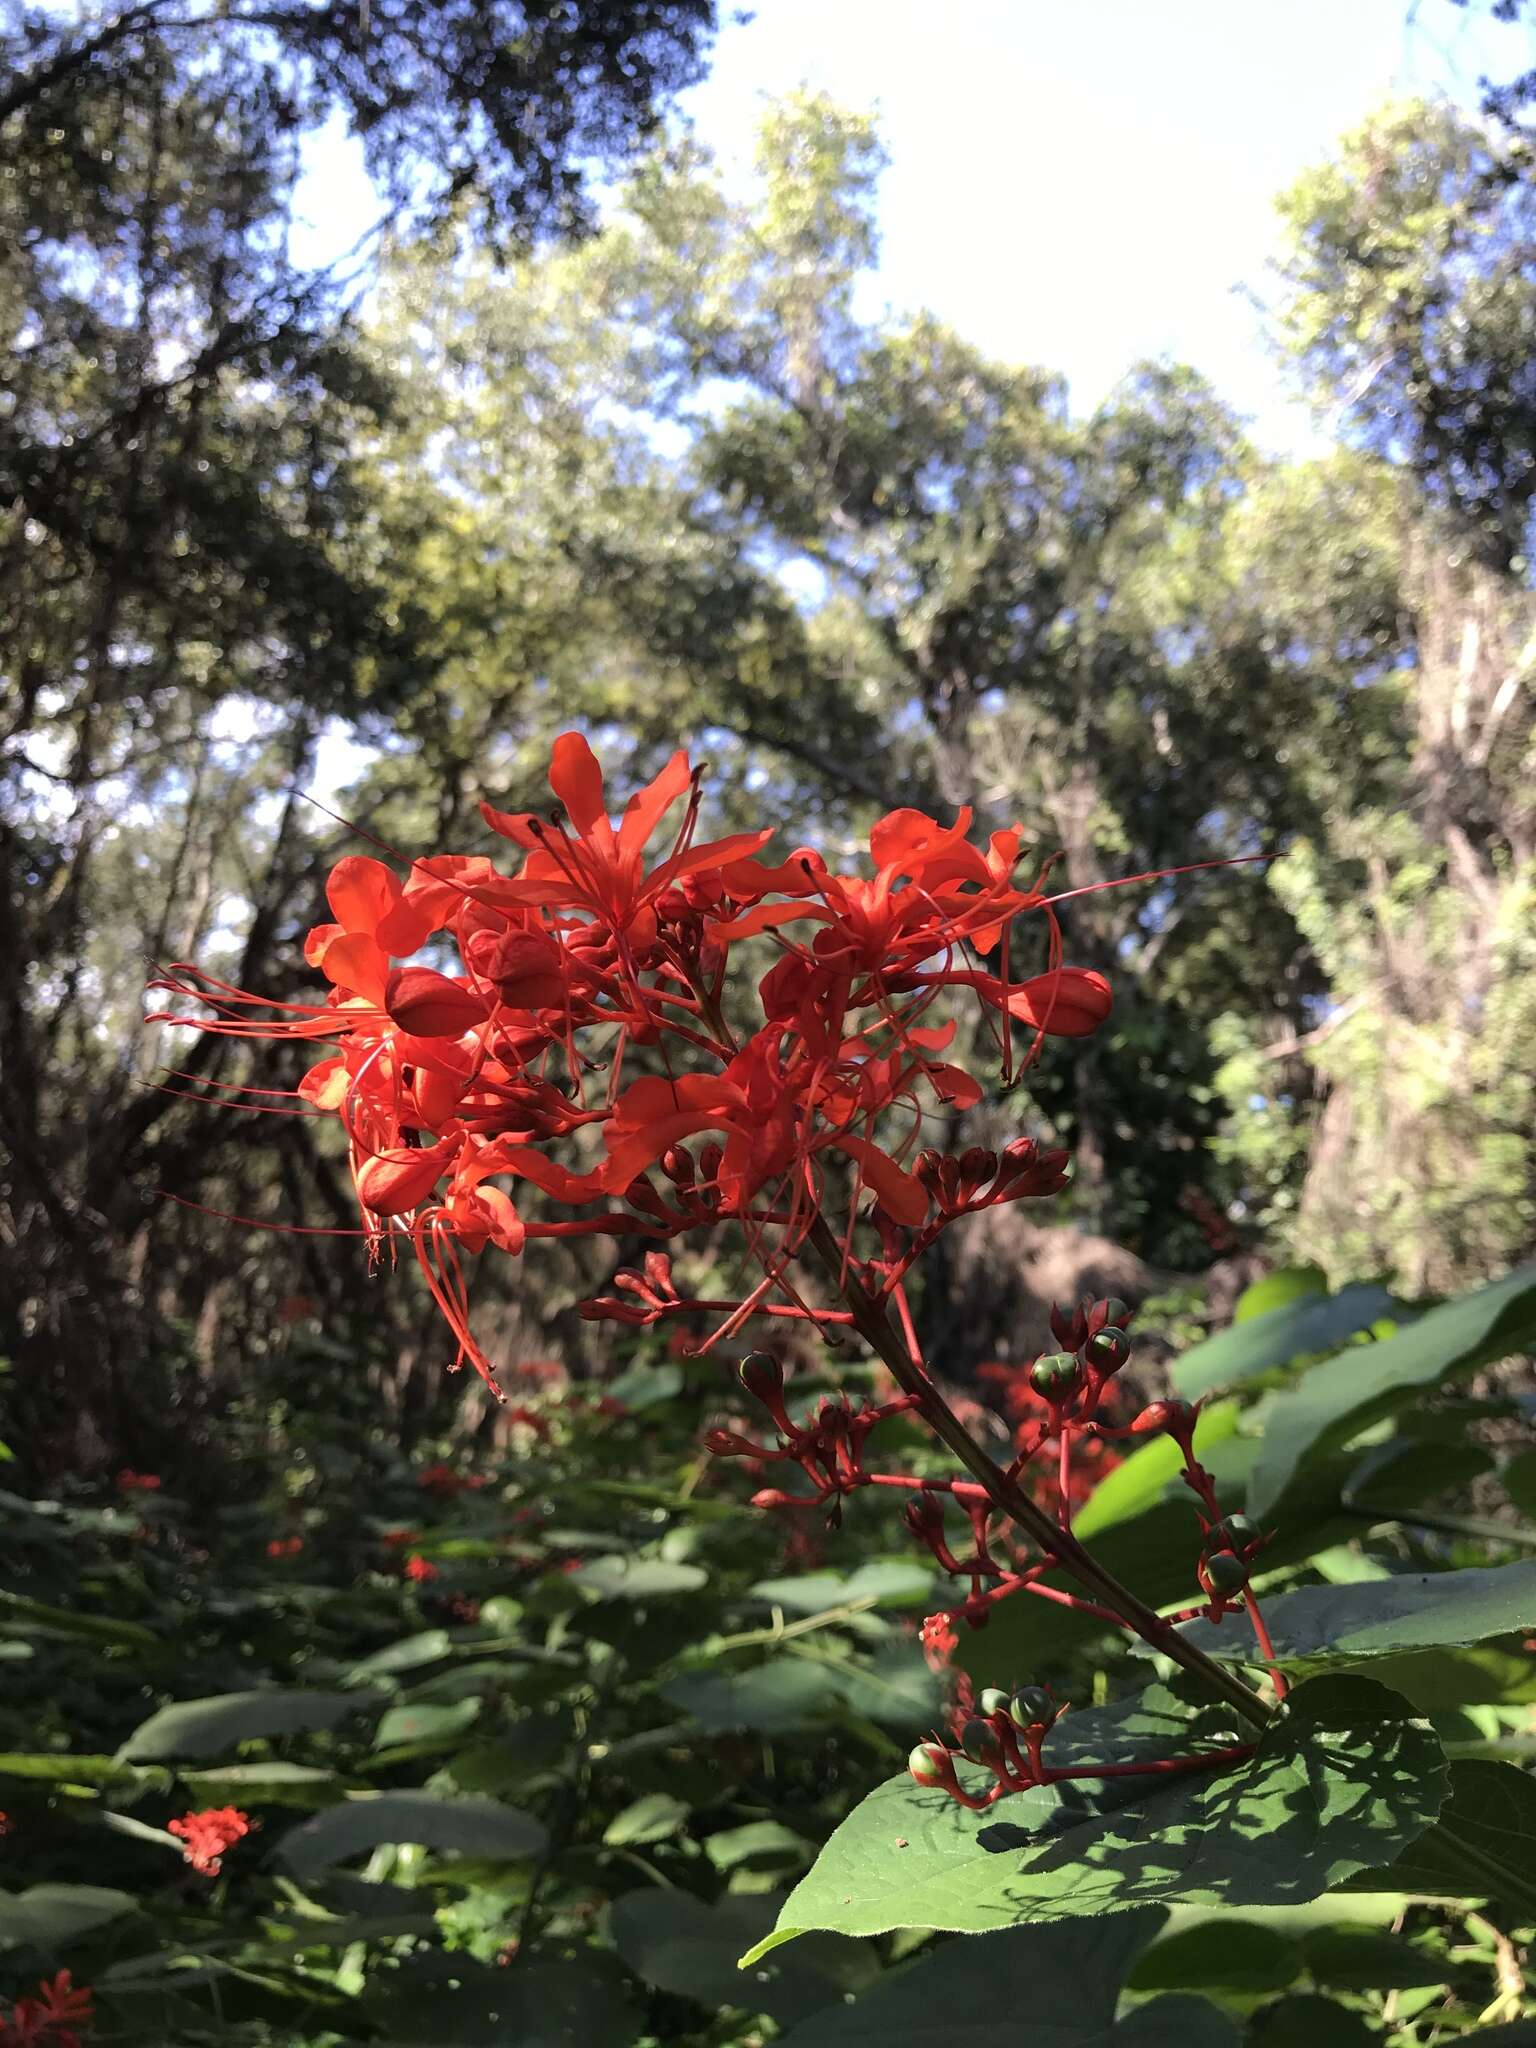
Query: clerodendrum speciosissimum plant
x,y
456,1089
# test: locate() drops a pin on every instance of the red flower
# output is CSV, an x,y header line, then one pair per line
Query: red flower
x,y
208,1834
940,1641
285,1546
600,870
129,1481
47,2021
442,1480
5,1823
421,1569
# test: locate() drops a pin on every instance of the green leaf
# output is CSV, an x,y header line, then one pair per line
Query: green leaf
x,y
677,1943
1306,2020
1283,1288
66,1621
1263,1343
1337,1399
271,1783
645,1386
409,1654
54,1769
760,1845
1519,1482
474,1827
1337,1777
620,1577
1143,1478
771,1698
1065,1979
651,1819
1359,1959
887,1582
1485,1838
1334,1627
50,1916
199,1728
425,1723
1220,1954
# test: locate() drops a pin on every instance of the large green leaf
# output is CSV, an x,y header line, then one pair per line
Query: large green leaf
x,y
199,1728
1484,1841
473,1826
1332,1627
1066,1980
1300,1328
50,1916
681,1945
1338,1398
1342,1774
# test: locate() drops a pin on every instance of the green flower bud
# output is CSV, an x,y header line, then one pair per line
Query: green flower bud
x,y
1057,1376
1108,1350
1235,1533
1031,1707
993,1701
979,1740
929,1763
1111,1313
1225,1573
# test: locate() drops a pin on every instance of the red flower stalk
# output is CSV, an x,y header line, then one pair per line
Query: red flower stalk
x,y
207,1835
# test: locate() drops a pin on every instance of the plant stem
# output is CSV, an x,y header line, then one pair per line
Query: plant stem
x,y
874,1326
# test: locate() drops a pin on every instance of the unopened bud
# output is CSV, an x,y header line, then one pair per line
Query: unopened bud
x,y
993,1701
977,1164
725,1443
1236,1532
1111,1313
762,1376
930,1764
1107,1349
1224,1572
677,1165
1031,1707
1056,1377
926,1166
979,1740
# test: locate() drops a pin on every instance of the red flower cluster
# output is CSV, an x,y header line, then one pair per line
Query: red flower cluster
x,y
129,1481
49,2019
442,1481
205,1836
421,1570
459,1088
285,1546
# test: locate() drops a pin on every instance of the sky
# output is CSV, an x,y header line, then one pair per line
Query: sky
x,y
1077,184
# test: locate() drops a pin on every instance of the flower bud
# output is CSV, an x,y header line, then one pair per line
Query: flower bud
x,y
993,1701
977,1164
1236,1532
930,1764
925,1168
1223,1572
677,1165
1107,1349
725,1443
1031,1707
762,1376
979,1740
1111,1313
1056,1377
